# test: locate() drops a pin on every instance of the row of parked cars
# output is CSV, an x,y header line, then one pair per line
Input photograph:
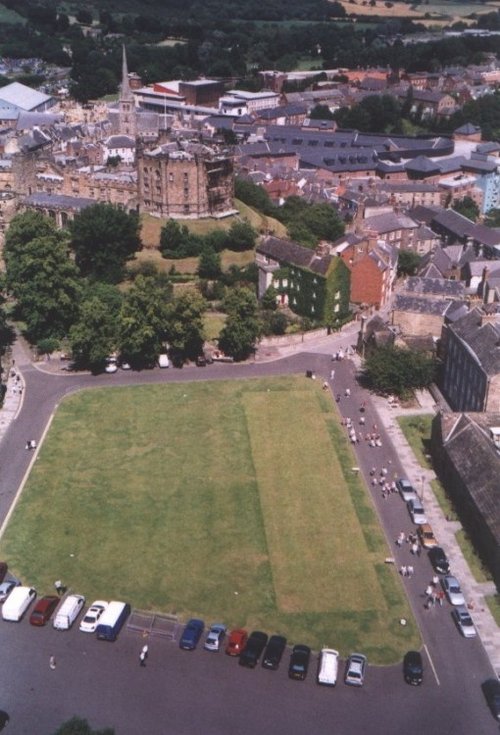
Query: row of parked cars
x,y
438,559
251,648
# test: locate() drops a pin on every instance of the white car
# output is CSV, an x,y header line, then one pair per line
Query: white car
x,y
464,622
417,512
163,361
91,617
111,365
215,637
452,590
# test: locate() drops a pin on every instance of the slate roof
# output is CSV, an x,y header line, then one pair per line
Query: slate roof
x,y
389,222
287,251
57,201
467,442
120,141
482,340
422,164
420,305
468,129
434,286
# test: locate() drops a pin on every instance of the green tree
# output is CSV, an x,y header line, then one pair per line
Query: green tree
x,y
185,325
241,236
253,195
467,207
142,321
78,726
242,327
23,229
103,238
321,112
209,263
408,262
269,300
399,371
94,335
493,218
43,279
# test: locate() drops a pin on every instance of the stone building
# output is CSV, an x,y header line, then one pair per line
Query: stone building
x,y
185,181
421,307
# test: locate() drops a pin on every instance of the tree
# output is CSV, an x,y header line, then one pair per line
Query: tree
x,y
94,335
241,236
408,262
321,112
493,218
399,371
253,195
42,277
103,238
242,327
142,322
185,325
78,726
466,207
209,263
269,300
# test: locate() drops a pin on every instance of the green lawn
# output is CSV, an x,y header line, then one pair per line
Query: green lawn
x,y
417,430
228,500
493,602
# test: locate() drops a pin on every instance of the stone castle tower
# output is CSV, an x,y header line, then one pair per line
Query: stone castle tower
x,y
127,112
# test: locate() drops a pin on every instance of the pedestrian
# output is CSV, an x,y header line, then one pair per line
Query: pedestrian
x,y
403,571
332,374
325,385
383,471
362,421
347,392
52,662
401,538
33,444
145,650
59,587
428,590
410,571
337,397
373,471
414,548
28,444
441,598
435,580
142,658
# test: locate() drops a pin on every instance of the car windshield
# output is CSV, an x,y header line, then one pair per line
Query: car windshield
x,y
298,667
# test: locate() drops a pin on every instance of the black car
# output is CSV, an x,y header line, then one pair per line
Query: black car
x,y
413,668
253,649
299,662
491,691
439,560
274,652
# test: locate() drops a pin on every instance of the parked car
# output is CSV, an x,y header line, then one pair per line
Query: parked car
x,y
201,361
43,609
328,666
413,668
426,536
416,511
255,644
299,662
355,670
111,365
274,652
464,621
18,601
191,634
215,637
406,490
163,361
452,590
439,560
91,617
68,612
237,641
7,587
491,691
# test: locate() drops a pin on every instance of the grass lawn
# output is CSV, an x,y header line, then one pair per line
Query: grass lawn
x,y
417,430
213,324
229,500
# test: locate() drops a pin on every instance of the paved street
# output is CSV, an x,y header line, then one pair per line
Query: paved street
x,y
179,692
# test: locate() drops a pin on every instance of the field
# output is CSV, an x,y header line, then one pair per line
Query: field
x,y
435,10
228,500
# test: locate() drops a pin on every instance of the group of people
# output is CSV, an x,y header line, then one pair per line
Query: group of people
x,y
433,594
30,444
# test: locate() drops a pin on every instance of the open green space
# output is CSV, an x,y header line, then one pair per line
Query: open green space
x,y
230,500
417,430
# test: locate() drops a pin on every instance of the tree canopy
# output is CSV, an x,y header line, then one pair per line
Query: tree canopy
x,y
185,326
466,206
103,238
399,371
242,327
142,322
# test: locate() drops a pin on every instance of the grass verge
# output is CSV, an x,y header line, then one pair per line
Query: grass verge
x,y
493,602
479,571
228,500
417,430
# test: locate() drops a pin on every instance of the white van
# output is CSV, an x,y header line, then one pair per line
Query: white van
x,y
68,612
17,603
163,361
328,667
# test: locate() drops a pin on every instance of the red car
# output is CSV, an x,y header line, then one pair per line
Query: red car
x,y
43,610
237,641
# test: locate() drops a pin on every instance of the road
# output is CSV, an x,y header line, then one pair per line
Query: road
x,y
181,693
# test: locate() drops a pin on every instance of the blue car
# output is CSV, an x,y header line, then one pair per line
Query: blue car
x,y
191,634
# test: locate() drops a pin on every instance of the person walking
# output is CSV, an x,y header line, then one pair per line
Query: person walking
x,y
59,587
410,571
52,662
143,655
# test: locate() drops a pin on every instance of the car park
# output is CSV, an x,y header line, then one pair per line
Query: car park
x,y
215,637
426,536
299,662
355,670
439,560
413,668
274,652
237,641
416,511
43,610
255,644
452,590
491,691
464,622
191,634
7,587
91,618
406,490
328,666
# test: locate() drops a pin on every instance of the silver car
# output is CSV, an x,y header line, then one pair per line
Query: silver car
x,y
215,637
406,490
355,670
416,511
464,622
452,590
